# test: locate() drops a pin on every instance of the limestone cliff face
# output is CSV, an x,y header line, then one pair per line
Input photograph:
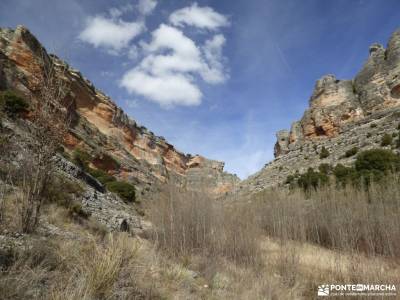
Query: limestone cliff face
x,y
101,128
342,114
335,103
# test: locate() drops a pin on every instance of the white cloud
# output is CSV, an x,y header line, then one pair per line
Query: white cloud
x,y
116,12
110,33
201,17
146,7
167,74
167,90
214,71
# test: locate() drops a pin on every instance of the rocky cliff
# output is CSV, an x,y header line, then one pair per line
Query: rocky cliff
x,y
342,114
116,143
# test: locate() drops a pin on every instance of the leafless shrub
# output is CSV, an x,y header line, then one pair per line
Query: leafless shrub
x,y
48,125
188,223
349,219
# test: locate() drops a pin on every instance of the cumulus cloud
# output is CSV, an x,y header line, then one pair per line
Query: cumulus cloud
x,y
167,89
201,17
167,73
214,71
146,7
110,33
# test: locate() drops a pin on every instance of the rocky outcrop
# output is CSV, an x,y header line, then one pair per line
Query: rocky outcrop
x,y
342,114
335,103
101,128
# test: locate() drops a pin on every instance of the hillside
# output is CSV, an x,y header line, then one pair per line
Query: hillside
x,y
95,206
102,129
342,115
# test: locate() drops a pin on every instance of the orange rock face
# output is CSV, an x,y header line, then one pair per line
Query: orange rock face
x,y
100,126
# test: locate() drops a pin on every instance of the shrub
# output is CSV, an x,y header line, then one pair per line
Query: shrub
x,y
101,176
123,189
12,104
290,179
351,152
312,180
387,140
380,160
324,153
63,192
81,158
369,134
373,125
398,143
75,210
344,175
325,168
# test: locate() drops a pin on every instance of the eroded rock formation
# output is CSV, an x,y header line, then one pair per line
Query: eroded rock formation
x,y
101,128
335,103
342,114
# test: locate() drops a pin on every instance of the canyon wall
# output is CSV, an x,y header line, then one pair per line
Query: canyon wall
x,y
342,114
99,127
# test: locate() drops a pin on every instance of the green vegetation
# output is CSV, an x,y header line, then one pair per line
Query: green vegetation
x,y
344,175
351,152
379,160
373,125
63,192
101,176
387,140
81,158
370,165
312,180
12,104
324,153
123,189
290,179
325,168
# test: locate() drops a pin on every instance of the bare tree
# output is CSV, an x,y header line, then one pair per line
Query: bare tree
x,y
49,124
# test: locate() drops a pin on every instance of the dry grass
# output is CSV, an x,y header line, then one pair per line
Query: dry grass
x,y
346,219
277,246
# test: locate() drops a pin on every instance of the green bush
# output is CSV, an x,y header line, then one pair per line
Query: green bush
x,y
373,125
290,179
324,153
312,180
380,160
387,140
101,176
345,175
123,189
325,168
12,104
81,158
351,152
63,192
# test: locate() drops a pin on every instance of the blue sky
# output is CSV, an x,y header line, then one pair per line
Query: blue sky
x,y
228,74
